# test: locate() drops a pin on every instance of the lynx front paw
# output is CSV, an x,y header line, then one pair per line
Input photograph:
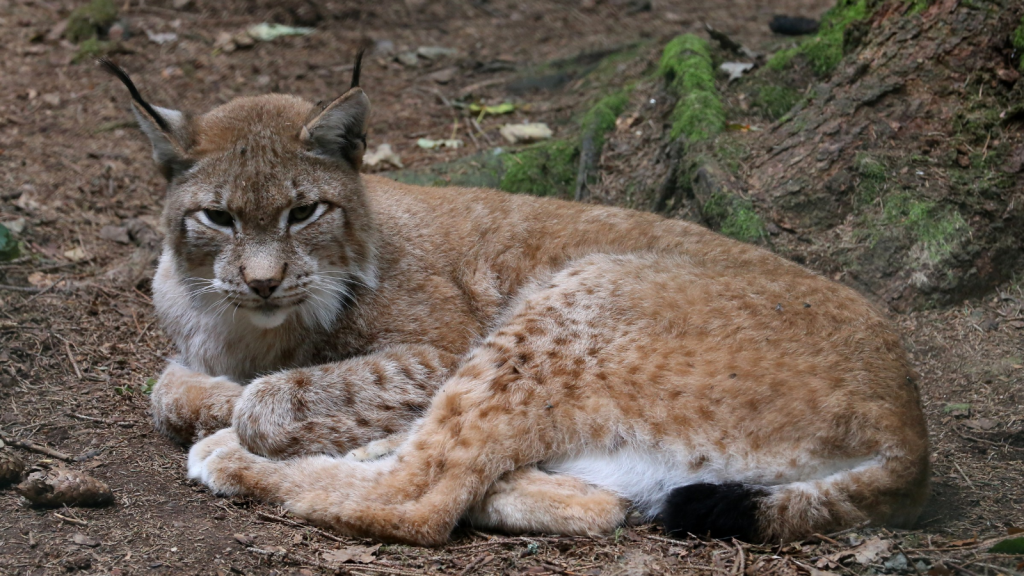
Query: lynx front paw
x,y
219,462
187,405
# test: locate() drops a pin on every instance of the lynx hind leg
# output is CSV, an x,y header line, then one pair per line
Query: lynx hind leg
x,y
531,500
378,448
187,405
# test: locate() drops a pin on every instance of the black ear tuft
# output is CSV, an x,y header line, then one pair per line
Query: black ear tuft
x,y
168,130
357,68
715,510
116,70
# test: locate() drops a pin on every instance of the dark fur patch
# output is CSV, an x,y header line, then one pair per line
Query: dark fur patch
x,y
715,510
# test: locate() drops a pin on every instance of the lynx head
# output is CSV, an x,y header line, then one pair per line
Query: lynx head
x,y
265,213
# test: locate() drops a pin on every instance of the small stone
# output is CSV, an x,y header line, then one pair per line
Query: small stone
x,y
162,37
444,75
408,59
117,234
244,539
383,47
435,52
117,32
83,540
523,133
224,42
243,40
181,4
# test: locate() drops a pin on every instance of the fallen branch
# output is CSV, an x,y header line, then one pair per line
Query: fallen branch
x,y
38,293
38,448
27,289
283,520
111,422
307,561
71,520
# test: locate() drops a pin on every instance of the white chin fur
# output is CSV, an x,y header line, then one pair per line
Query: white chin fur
x,y
268,319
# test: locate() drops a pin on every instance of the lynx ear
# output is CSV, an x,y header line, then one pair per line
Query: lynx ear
x,y
167,129
339,131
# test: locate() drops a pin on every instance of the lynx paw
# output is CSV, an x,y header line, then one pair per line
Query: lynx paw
x,y
376,449
217,460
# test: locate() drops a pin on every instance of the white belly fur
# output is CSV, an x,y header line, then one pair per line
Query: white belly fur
x,y
645,477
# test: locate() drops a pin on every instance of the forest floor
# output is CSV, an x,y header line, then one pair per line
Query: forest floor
x,y
78,344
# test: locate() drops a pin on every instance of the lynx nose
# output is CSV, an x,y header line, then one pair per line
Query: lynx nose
x,y
264,287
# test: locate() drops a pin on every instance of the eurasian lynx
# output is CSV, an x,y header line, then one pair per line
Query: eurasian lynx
x,y
553,363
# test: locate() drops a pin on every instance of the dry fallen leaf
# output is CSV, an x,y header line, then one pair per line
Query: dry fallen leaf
x,y
360,554
980,424
83,540
866,553
76,254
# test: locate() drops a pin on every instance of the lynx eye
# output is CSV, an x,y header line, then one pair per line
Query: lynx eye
x,y
219,217
302,213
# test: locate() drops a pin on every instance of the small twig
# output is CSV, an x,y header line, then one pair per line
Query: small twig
x,y
825,539
961,568
969,483
476,563
483,134
26,289
71,520
38,448
283,520
666,540
741,563
38,294
909,560
71,357
998,569
121,423
998,444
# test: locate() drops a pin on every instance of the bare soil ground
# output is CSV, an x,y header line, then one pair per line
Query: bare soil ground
x,y
79,342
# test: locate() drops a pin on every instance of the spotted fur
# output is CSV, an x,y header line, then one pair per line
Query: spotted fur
x,y
551,363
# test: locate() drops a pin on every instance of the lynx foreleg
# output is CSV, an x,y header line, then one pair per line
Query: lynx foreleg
x,y
187,405
488,420
334,408
531,500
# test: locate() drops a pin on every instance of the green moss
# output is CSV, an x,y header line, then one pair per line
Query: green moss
x,y
825,50
89,21
734,216
687,67
546,169
872,178
601,117
93,48
917,6
8,245
775,101
869,168
1018,43
937,228
781,59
